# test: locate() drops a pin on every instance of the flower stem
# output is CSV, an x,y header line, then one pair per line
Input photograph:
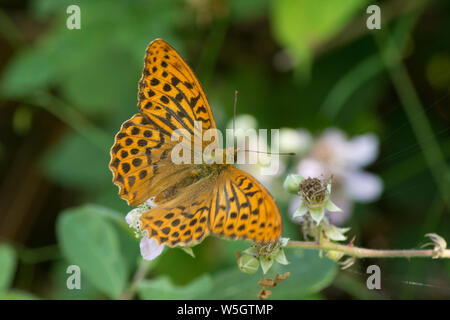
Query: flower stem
x,y
367,253
140,274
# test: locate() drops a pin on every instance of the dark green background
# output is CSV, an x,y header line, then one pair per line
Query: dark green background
x,y
65,93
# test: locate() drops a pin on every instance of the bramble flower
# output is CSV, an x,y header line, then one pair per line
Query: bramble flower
x,y
295,140
315,198
150,249
315,195
333,154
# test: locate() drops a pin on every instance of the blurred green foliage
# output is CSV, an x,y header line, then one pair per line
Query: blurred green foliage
x,y
88,80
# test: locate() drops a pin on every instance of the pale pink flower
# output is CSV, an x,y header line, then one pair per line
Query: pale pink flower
x,y
333,154
150,248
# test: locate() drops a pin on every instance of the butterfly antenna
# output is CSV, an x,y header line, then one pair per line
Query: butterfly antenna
x,y
234,112
277,153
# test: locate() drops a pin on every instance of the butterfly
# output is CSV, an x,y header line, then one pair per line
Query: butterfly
x,y
192,200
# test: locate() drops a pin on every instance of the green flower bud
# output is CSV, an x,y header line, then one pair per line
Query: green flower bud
x,y
335,255
248,264
292,183
302,210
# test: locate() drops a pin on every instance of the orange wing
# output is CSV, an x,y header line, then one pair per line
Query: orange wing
x,y
243,208
184,219
140,158
170,97
170,93
232,205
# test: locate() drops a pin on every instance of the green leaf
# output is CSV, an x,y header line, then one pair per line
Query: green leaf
x,y
90,241
309,274
163,289
302,25
60,291
29,71
7,266
73,161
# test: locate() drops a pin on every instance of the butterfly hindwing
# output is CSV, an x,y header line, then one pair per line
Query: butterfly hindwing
x,y
243,208
233,205
183,220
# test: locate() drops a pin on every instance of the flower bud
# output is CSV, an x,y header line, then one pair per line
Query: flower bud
x,y
248,264
292,182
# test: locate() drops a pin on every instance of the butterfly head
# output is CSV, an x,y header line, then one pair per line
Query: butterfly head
x,y
222,156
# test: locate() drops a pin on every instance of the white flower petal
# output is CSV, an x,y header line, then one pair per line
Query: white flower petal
x,y
362,150
150,249
362,186
334,135
336,141
244,122
292,140
284,241
150,203
311,168
133,217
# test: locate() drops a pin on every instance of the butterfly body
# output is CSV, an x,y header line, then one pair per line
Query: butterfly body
x,y
192,199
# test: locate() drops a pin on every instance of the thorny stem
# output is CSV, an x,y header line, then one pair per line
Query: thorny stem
x,y
367,253
140,274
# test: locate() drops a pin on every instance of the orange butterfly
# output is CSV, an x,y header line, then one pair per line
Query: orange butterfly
x,y
193,200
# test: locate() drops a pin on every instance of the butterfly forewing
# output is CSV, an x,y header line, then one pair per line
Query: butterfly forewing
x,y
140,152
169,92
